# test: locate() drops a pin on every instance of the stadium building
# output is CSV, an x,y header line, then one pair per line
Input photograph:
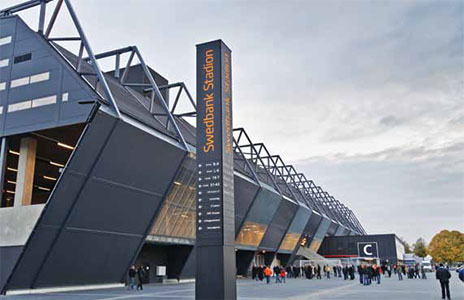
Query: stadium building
x,y
98,170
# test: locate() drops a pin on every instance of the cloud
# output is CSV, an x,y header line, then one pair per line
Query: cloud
x,y
412,192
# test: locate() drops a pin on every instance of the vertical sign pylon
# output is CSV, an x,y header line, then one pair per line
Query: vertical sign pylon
x,y
215,238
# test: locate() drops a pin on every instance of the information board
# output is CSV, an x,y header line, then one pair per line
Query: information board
x,y
215,233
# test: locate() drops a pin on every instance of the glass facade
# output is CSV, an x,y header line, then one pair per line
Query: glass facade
x,y
290,241
259,217
295,230
177,216
251,234
320,234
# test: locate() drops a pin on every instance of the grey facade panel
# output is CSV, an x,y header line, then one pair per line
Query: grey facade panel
x,y
279,225
332,228
101,208
37,115
8,258
244,192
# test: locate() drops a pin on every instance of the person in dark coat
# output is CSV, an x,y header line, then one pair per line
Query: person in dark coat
x,y
361,274
261,273
443,275
254,272
351,272
140,277
345,272
318,272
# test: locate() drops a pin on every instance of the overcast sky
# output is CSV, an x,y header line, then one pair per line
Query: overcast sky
x,y
364,97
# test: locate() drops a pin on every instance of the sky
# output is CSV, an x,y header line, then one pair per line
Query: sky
x,y
364,97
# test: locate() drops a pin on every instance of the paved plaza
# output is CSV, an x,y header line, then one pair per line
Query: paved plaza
x,y
294,289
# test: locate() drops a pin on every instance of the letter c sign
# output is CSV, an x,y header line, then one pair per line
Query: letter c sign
x,y
368,249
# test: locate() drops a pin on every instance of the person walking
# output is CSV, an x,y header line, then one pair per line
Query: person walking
x,y
399,272
345,272
318,270
267,274
140,276
424,276
361,274
261,273
254,272
443,275
276,270
132,273
282,275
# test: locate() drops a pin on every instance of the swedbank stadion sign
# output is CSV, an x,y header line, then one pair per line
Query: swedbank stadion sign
x,y
215,232
214,146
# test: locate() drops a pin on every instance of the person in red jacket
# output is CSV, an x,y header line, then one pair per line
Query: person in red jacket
x,y
283,274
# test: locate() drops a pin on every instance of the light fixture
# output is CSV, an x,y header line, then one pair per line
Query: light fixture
x,y
43,188
10,192
65,146
50,178
11,169
56,164
177,183
10,181
13,152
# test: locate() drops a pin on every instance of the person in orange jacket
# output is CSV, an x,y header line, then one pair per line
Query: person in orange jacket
x,y
267,274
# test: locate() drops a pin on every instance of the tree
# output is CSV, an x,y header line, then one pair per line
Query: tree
x,y
407,248
447,246
420,248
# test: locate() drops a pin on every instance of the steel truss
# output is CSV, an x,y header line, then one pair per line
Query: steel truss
x,y
287,181
254,157
91,59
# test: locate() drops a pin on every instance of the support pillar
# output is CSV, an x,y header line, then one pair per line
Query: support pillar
x,y
26,169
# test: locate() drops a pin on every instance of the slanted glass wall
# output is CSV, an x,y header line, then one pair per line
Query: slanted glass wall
x,y
260,215
320,234
296,228
177,216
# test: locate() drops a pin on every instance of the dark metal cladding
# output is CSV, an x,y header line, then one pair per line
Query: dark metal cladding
x,y
387,246
245,192
100,210
279,225
215,235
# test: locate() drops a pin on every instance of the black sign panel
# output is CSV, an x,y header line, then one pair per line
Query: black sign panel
x,y
368,250
215,239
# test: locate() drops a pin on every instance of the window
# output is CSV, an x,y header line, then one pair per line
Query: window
x,y
32,103
40,77
22,58
19,82
65,97
4,62
1,110
2,86
5,40
44,101
30,79
19,106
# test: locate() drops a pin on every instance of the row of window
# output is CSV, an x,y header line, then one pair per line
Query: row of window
x,y
34,103
30,79
26,80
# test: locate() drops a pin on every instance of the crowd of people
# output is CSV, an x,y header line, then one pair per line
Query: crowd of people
x,y
309,271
